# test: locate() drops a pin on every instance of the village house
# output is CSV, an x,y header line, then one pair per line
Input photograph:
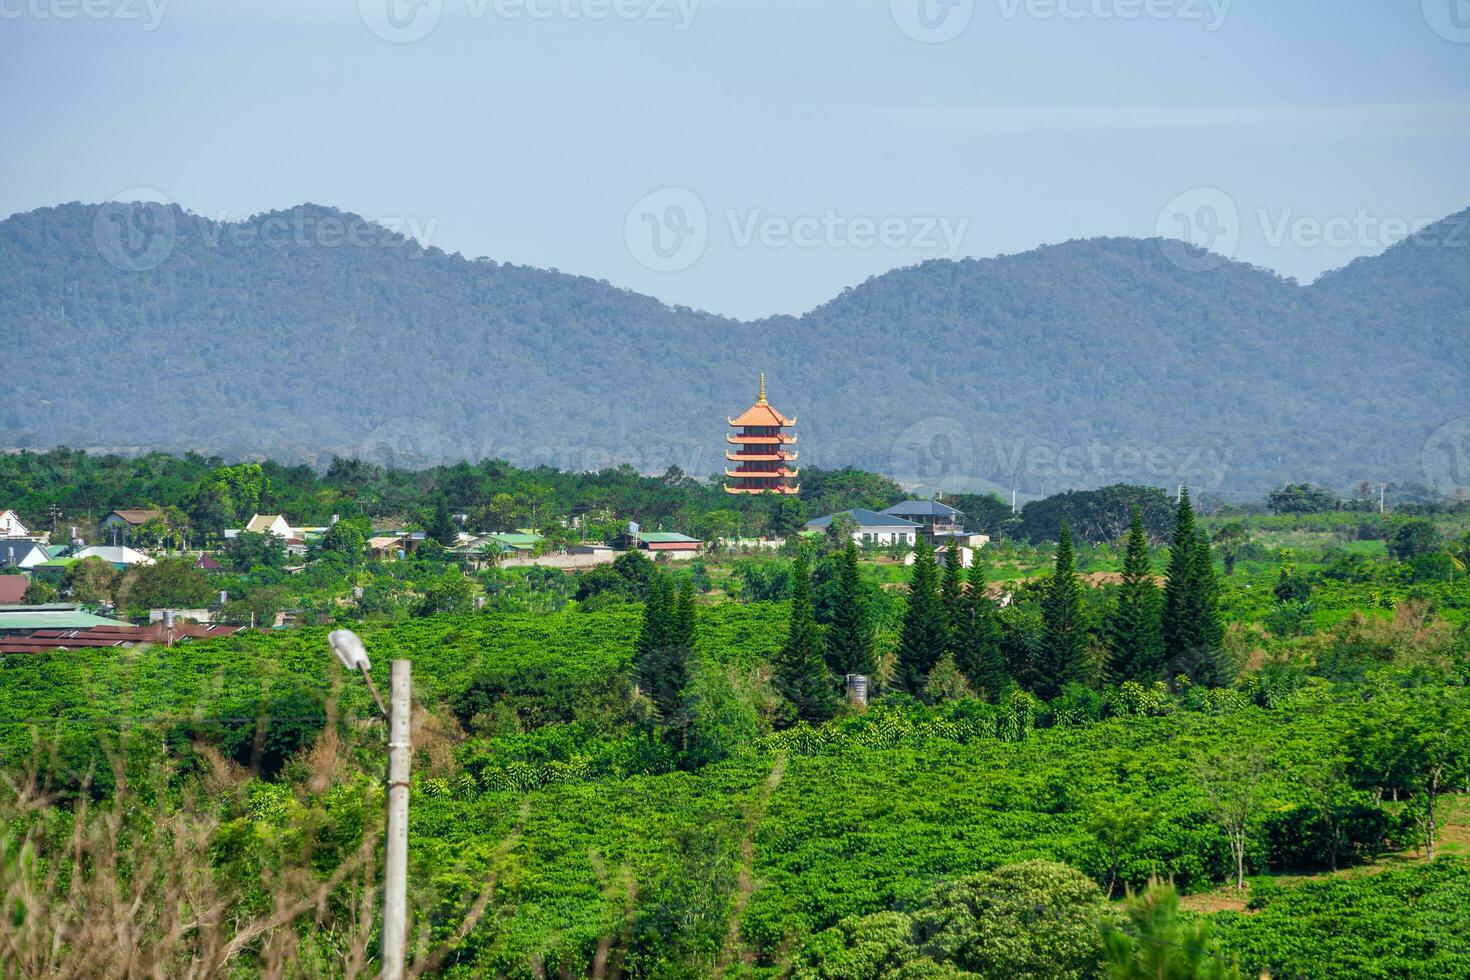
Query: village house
x,y
871,528
22,553
676,546
10,525
129,518
938,522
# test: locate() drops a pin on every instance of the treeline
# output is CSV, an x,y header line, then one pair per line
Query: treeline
x,y
959,637
199,496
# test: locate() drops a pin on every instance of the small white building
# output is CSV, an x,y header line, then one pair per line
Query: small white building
x,y
10,525
870,527
270,524
117,555
22,553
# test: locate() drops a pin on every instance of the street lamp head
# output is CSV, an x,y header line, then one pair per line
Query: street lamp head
x,y
349,649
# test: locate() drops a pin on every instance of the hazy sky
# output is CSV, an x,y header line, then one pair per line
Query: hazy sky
x,y
757,156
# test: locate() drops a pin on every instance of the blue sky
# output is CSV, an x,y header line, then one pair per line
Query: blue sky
x,y
780,151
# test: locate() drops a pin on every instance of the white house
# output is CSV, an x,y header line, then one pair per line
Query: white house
x,y
22,553
270,524
117,555
871,527
10,525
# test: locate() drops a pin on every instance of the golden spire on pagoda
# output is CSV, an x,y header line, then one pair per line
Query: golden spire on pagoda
x,y
761,400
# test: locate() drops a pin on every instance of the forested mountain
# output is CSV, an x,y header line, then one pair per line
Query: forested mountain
x,y
1080,364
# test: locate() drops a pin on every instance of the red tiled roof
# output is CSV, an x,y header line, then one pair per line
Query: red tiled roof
x,y
13,588
138,515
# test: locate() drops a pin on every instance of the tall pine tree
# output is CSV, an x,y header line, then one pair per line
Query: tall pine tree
x,y
1180,621
1133,630
684,624
1214,669
925,634
1064,632
850,637
801,668
952,594
664,646
978,654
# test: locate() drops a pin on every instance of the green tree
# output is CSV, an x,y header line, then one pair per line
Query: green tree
x,y
978,652
952,595
924,636
1032,919
1230,539
1064,647
441,526
345,538
1412,538
248,550
1132,630
1193,632
90,580
1156,943
168,582
1180,628
1291,584
850,637
684,616
1213,666
801,674
659,663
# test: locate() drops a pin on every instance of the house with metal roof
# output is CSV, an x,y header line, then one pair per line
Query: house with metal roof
x,y
670,542
940,523
119,556
51,616
22,553
871,527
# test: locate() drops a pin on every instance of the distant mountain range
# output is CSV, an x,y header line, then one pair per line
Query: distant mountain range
x,y
306,333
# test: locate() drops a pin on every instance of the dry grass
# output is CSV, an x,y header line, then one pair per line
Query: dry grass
x,y
125,888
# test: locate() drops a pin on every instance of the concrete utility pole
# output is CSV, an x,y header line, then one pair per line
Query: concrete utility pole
x,y
349,649
395,861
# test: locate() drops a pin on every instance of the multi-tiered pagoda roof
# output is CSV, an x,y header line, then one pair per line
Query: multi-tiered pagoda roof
x,y
761,452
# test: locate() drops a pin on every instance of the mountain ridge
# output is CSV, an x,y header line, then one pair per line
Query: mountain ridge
x,y
970,371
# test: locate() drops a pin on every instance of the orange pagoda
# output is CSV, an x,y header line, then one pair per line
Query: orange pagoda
x,y
760,450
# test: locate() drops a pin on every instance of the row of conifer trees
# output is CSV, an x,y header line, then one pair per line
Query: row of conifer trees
x,y
952,627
